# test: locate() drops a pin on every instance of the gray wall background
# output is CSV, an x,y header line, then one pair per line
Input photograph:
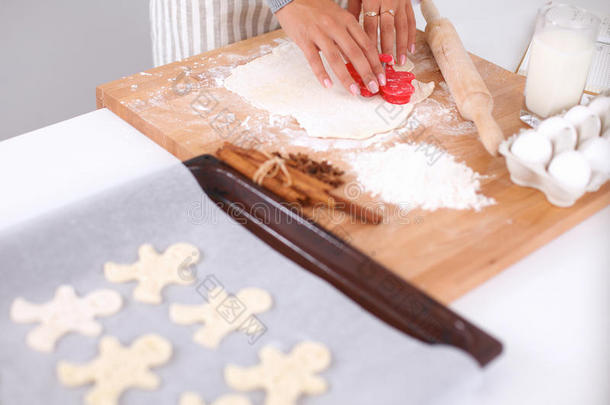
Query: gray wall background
x,y
54,53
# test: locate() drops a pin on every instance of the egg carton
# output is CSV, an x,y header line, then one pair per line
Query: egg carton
x,y
570,137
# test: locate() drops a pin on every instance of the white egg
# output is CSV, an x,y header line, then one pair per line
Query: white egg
x,y
601,107
560,132
587,123
597,153
532,147
571,170
606,135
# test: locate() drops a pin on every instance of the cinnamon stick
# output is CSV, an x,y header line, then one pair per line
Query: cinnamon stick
x,y
296,174
247,168
304,188
313,188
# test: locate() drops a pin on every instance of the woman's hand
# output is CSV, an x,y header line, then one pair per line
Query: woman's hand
x,y
398,28
321,25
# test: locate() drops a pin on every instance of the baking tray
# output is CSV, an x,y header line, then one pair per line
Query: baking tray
x,y
365,281
372,362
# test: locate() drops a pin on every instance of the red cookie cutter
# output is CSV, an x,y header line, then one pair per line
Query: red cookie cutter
x,y
398,88
364,91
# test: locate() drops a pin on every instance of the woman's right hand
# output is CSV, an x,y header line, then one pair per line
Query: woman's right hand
x,y
396,28
321,25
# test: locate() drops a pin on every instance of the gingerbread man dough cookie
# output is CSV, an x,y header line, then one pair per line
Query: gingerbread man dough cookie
x,y
284,377
154,271
117,368
190,398
222,314
65,313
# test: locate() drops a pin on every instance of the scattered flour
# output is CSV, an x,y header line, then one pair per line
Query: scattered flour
x,y
419,175
441,113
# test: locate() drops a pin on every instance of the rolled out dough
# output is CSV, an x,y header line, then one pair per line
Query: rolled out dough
x,y
282,83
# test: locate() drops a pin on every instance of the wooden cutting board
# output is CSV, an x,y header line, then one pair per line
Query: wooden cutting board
x,y
184,108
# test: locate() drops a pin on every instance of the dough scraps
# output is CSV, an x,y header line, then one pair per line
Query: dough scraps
x,y
191,398
118,368
284,377
282,83
65,313
154,271
222,314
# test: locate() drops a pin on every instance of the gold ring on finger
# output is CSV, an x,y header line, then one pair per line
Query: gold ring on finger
x,y
390,12
371,14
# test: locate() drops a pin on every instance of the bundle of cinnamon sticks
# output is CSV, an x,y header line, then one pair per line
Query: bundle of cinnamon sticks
x,y
283,178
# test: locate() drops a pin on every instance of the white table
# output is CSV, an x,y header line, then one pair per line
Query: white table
x,y
551,310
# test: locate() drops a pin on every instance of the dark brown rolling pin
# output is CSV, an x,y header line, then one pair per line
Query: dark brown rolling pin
x,y
368,283
473,99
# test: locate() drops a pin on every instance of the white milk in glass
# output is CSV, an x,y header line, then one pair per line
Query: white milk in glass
x,y
558,69
560,58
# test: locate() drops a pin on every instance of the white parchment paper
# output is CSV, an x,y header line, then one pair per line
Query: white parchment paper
x,y
372,362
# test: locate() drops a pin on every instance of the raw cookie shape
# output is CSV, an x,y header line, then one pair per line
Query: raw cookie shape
x,y
284,377
190,398
154,271
222,314
65,313
117,368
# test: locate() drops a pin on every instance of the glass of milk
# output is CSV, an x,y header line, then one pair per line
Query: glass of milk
x,y
560,58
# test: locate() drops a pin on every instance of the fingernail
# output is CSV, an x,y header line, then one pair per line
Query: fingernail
x,y
403,59
412,48
381,77
354,89
327,83
373,86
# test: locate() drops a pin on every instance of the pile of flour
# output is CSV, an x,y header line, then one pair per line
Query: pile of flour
x,y
419,175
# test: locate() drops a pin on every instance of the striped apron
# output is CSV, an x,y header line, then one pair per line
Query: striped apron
x,y
182,28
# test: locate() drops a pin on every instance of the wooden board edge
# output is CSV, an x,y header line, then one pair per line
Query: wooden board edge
x,y
149,130
448,291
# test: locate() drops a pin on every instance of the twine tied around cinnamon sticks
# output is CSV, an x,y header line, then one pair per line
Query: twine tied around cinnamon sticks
x,y
283,177
270,168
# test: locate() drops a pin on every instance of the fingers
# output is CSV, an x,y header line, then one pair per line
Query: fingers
x,y
402,36
315,62
354,6
369,49
386,21
354,54
412,26
371,24
333,57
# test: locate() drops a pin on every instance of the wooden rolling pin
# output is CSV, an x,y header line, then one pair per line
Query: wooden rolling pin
x,y
473,99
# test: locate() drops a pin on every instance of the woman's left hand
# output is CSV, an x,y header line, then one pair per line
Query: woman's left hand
x,y
397,21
